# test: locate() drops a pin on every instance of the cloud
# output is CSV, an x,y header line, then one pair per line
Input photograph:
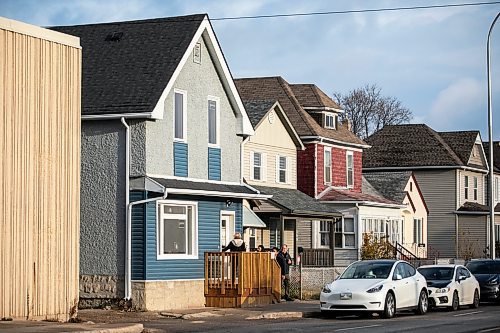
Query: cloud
x,y
459,106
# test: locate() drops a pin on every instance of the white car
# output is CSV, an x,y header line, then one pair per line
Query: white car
x,y
451,286
382,286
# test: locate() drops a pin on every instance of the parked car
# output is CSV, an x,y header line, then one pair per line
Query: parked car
x,y
382,286
487,273
450,286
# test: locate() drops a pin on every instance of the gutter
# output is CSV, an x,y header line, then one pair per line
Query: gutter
x,y
364,203
144,115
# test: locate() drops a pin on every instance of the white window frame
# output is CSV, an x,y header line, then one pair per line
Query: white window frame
x,y
263,166
349,153
160,229
466,187
344,233
418,238
184,115
475,188
333,117
329,150
278,169
217,121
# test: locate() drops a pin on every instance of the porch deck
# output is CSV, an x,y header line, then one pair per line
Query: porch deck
x,y
241,279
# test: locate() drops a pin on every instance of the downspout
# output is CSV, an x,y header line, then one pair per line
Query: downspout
x,y
127,200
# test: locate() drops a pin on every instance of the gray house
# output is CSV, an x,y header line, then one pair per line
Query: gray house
x,y
451,170
162,127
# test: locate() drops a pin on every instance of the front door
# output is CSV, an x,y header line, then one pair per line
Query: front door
x,y
226,228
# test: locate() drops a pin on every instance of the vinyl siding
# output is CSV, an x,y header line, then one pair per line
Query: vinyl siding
x,y
471,236
304,233
438,188
208,240
481,184
214,163
180,159
40,93
345,257
138,237
477,157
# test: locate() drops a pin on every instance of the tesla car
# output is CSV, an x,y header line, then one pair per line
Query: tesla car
x,y
450,286
382,286
487,272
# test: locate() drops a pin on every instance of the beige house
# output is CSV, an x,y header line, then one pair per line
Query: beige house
x,y
402,187
39,172
270,166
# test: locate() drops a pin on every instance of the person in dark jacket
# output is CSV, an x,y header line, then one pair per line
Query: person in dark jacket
x,y
284,260
236,245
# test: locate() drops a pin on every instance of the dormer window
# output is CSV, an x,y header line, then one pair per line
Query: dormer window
x,y
330,121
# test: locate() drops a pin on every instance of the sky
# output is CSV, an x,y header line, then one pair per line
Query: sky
x,y
432,60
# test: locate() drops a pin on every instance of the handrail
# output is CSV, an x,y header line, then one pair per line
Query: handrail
x,y
405,252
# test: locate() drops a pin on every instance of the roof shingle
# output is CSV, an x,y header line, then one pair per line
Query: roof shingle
x,y
390,185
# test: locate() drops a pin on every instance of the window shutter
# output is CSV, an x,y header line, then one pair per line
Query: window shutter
x,y
264,167
277,175
251,165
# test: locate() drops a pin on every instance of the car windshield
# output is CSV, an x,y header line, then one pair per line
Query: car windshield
x,y
437,273
368,270
484,267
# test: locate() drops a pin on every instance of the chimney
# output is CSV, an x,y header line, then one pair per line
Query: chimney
x,y
346,123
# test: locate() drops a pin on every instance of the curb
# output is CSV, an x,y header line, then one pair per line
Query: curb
x,y
276,315
119,328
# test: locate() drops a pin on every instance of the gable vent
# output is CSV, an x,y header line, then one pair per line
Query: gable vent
x,y
114,37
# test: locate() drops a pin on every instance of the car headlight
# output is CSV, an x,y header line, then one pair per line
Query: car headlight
x,y
492,282
375,289
326,289
442,290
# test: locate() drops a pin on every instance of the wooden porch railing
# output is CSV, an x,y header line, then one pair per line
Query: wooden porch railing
x,y
317,258
241,279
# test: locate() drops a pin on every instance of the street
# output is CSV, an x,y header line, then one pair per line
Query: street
x,y
484,319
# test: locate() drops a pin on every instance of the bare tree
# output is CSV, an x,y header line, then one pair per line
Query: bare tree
x,y
368,111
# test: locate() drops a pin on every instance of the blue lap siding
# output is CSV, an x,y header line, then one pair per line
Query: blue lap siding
x,y
145,265
180,159
213,163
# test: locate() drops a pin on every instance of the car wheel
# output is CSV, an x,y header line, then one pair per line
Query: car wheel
x,y
455,302
423,303
475,302
389,306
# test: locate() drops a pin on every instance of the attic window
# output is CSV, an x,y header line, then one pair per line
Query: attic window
x,y
114,37
197,53
329,121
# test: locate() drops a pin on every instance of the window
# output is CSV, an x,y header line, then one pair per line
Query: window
x,y
177,227
409,270
324,233
252,238
350,169
330,121
258,162
327,165
213,121
466,187
281,169
180,115
417,231
344,233
475,188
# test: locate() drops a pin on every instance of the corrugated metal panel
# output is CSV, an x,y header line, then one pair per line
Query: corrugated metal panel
x,y
208,239
439,191
213,163
138,237
40,172
180,159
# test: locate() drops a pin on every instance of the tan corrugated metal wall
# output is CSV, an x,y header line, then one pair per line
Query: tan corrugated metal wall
x,y
40,75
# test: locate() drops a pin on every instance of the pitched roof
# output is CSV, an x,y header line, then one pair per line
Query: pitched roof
x,y
256,110
309,95
477,207
417,145
390,185
496,153
332,194
296,202
269,88
127,65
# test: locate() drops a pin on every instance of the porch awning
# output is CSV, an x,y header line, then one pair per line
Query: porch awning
x,y
250,219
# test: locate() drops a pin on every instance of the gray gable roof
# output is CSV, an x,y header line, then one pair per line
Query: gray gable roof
x,y
127,65
418,145
256,110
496,154
389,184
296,202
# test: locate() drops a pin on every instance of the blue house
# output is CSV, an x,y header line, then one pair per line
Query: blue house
x,y
161,182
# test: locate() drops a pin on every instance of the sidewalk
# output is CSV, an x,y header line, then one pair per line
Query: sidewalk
x,y
116,321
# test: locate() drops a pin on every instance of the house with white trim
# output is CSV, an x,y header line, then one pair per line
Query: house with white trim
x,y
161,182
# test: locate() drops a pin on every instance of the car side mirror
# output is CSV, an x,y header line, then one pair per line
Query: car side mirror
x,y
461,278
397,277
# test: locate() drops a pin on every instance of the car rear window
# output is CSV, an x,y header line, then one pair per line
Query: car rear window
x,y
482,267
437,273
